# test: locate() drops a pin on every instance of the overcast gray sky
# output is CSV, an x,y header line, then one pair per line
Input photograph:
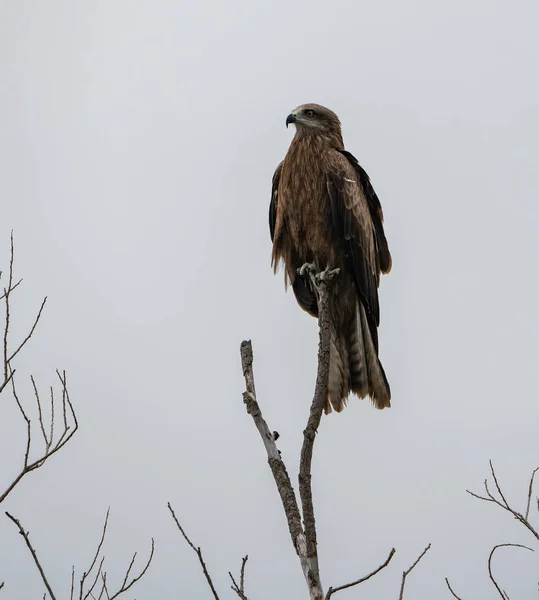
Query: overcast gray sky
x,y
138,141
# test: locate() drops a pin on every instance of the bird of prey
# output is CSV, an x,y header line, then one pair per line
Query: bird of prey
x,y
324,212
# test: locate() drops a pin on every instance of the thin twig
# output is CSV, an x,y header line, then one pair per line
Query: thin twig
x,y
530,490
332,590
451,590
26,538
7,292
197,551
499,590
126,586
406,573
240,590
96,556
27,338
71,595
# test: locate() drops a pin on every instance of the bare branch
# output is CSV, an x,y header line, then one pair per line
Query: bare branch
x,y
240,590
7,292
26,538
320,283
499,590
277,466
406,573
498,485
503,503
27,338
303,537
128,585
530,490
71,595
96,556
51,447
451,590
332,590
197,551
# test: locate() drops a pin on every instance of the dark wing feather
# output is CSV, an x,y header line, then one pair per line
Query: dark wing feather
x,y
353,226
274,199
384,256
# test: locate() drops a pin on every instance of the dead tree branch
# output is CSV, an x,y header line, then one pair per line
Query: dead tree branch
x,y
90,579
501,592
52,443
303,535
530,490
407,572
70,426
320,283
197,551
332,590
503,503
451,590
26,537
240,589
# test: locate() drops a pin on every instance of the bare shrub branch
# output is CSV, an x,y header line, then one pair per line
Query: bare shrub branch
x,y
501,592
503,503
90,579
51,446
332,590
407,572
197,551
240,589
26,537
530,490
70,424
451,590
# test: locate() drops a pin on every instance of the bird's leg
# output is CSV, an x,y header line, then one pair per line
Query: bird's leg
x,y
309,271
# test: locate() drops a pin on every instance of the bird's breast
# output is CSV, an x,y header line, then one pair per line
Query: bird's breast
x,y
304,206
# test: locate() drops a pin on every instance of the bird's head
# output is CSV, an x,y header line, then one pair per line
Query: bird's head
x,y
313,119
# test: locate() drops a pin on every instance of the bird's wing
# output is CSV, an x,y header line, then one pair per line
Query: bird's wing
x,y
352,202
274,199
376,212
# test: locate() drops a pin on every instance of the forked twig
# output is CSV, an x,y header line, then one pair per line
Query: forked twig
x,y
408,571
51,446
240,589
503,503
197,551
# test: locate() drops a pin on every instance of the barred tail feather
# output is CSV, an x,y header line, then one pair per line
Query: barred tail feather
x,y
379,390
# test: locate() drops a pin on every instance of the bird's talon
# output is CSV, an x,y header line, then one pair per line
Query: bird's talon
x,y
307,269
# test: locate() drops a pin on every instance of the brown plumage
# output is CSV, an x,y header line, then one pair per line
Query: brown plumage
x,y
325,211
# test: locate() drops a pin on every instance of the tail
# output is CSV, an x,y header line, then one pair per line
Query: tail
x,y
354,366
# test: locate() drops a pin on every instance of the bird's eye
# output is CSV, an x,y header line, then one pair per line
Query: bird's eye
x,y
310,113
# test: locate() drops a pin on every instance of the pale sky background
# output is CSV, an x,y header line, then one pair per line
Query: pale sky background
x,y
138,141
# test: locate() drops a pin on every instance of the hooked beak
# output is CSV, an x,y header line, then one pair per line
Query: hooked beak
x,y
290,119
